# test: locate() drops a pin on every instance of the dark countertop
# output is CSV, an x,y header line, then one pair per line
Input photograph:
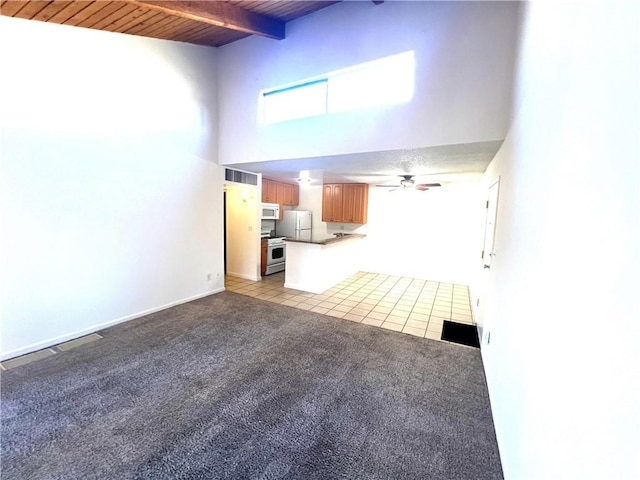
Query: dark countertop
x,y
328,240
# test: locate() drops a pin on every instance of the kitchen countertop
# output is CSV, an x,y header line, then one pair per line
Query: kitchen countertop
x,y
328,240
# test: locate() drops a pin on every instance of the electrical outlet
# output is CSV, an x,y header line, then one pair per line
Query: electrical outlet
x,y
208,277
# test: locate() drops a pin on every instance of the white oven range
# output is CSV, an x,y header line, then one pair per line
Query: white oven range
x,y
276,255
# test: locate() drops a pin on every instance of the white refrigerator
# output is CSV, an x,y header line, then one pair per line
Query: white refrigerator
x,y
295,224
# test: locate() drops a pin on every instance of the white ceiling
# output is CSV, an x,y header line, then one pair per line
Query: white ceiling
x,y
444,164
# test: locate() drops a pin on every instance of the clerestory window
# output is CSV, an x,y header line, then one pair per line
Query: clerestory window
x,y
386,81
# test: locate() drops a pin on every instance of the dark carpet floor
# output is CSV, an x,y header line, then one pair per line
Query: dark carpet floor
x,y
233,387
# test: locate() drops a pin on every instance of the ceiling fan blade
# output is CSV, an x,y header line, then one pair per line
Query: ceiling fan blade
x,y
424,186
395,186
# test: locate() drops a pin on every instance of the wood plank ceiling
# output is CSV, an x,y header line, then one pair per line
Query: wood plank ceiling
x,y
212,23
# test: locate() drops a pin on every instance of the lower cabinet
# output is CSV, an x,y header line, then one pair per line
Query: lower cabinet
x,y
263,257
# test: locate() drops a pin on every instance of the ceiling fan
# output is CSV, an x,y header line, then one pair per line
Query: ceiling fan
x,y
408,182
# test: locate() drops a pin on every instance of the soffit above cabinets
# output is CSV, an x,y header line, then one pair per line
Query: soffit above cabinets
x,y
445,164
211,23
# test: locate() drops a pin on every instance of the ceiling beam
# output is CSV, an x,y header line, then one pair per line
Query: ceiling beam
x,y
220,14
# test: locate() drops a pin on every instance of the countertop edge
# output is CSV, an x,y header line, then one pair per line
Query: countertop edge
x,y
328,241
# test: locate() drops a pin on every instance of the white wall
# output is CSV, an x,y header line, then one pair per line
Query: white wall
x,y
432,235
435,235
243,231
464,69
562,295
111,197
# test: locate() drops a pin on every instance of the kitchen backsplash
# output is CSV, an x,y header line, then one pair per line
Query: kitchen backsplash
x,y
345,228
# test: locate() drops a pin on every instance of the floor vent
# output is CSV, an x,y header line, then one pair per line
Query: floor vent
x,y
460,333
238,176
47,352
78,341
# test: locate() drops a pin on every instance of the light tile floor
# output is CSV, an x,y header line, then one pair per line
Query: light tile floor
x,y
407,305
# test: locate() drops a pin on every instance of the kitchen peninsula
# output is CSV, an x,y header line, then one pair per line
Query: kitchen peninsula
x,y
318,264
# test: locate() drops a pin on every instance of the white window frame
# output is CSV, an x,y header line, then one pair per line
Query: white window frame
x,y
398,68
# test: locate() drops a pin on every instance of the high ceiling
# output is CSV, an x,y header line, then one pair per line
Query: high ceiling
x,y
220,22
213,23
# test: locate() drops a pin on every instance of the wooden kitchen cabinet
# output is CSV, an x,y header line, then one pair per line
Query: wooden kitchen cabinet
x,y
290,194
280,192
332,202
355,199
269,191
263,257
345,202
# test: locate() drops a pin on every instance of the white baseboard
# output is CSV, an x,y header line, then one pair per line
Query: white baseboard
x,y
304,288
101,326
244,276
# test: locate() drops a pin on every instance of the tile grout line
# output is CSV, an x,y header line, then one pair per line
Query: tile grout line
x,y
413,306
433,305
404,324
381,300
374,305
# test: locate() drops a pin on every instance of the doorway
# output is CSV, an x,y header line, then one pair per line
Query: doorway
x,y
241,231
488,261
488,249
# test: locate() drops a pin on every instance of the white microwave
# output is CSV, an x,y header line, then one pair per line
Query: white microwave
x,y
270,211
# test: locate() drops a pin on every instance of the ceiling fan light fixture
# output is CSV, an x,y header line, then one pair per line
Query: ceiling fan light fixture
x,y
408,183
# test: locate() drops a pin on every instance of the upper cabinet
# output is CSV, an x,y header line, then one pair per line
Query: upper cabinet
x,y
278,192
289,195
345,202
355,200
332,202
269,191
